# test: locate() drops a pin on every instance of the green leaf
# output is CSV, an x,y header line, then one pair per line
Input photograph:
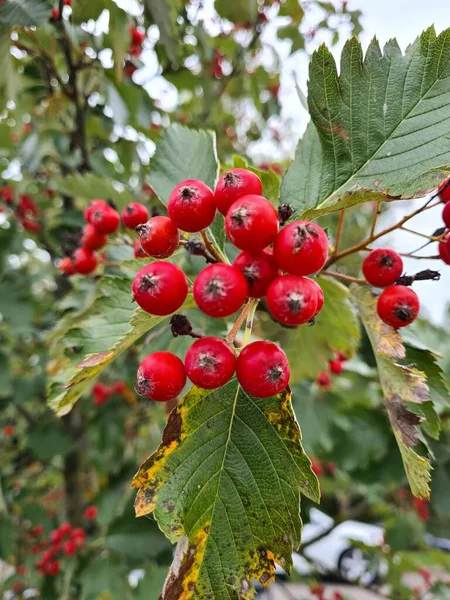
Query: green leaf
x,y
164,16
24,12
401,385
83,10
225,483
89,186
119,37
7,537
136,540
237,11
270,180
183,153
382,124
105,578
8,76
151,584
96,339
309,348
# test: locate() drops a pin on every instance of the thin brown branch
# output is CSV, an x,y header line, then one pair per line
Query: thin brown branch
x,y
339,229
239,322
210,247
347,278
376,214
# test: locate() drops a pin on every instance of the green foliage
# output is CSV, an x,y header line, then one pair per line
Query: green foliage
x,y
208,486
24,12
369,132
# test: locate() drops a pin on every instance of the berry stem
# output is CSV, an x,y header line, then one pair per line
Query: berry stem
x,y
348,278
432,238
412,255
250,317
211,248
376,214
362,245
239,321
339,229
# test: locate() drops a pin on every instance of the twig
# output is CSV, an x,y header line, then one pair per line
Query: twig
x,y
344,277
210,247
340,226
424,235
250,318
239,321
376,214
430,257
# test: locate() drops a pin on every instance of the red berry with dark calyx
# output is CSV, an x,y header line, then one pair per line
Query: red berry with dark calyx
x,y
92,239
210,363
262,369
84,261
92,206
134,214
232,185
301,248
336,366
446,214
161,376
323,379
105,220
444,249
160,288
220,290
66,266
191,206
292,300
54,14
398,306
251,223
138,250
444,190
159,237
258,269
382,267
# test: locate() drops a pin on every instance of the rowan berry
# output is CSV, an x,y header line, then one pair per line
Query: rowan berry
x,y
160,288
84,261
66,267
232,185
444,248
137,36
262,369
100,393
70,547
65,528
292,300
220,290
446,212
191,206
301,248
90,513
444,190
336,366
323,379
210,362
258,269
251,223
159,237
78,535
382,267
105,220
161,376
134,214
92,239
56,536
92,206
138,250
9,430
53,568
398,306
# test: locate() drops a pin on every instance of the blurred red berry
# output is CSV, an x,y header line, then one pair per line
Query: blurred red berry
x,y
331,467
56,536
336,366
100,393
118,387
323,379
53,568
16,587
65,528
78,536
21,570
9,430
65,266
422,509
37,530
70,547
90,512
316,467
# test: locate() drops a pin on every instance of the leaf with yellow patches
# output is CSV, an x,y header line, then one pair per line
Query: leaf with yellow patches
x,y
401,385
226,483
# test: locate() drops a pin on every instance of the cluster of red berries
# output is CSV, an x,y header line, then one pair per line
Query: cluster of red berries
x,y
319,468
137,40
319,592
444,244
101,220
101,393
62,542
272,264
25,209
336,366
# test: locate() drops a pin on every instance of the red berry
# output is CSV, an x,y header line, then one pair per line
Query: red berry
x,y
137,36
105,220
341,356
159,237
320,297
301,248
66,267
70,547
161,376
54,14
292,300
220,290
259,270
210,363
56,536
21,570
92,206
382,267
398,306
444,249
78,535
134,214
9,430
336,366
16,587
31,225
316,467
160,288
37,530
191,205
65,528
53,568
251,223
92,239
119,387
139,251
331,467
323,379
100,393
232,185
90,513
262,369
446,213
84,261
444,190
67,2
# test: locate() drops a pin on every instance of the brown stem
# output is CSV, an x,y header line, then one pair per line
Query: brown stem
x,y
210,247
376,214
239,322
340,226
348,278
430,257
334,257
424,235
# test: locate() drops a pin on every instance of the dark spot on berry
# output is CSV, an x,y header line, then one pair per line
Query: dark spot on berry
x,y
214,288
187,192
142,229
274,373
143,386
302,233
231,179
404,313
239,216
207,362
386,261
148,282
251,274
295,302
